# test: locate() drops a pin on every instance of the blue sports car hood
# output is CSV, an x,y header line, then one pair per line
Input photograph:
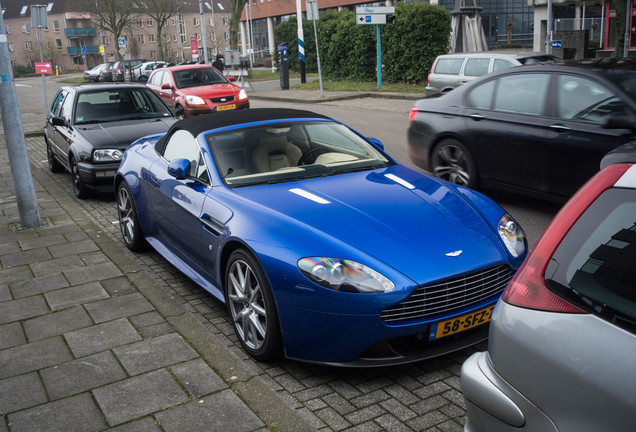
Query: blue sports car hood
x,y
413,223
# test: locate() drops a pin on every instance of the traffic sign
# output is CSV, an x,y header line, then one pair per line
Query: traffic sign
x,y
122,51
557,44
371,19
363,10
83,50
101,49
43,67
122,42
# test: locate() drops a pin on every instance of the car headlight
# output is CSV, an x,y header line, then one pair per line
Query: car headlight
x,y
107,155
344,275
194,100
512,235
242,94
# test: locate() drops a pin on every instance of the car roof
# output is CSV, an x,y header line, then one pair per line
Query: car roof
x,y
105,87
205,122
188,66
483,54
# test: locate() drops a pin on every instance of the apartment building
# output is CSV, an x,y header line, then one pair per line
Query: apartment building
x,y
72,41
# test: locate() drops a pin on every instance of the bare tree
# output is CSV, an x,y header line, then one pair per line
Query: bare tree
x,y
160,11
109,15
235,18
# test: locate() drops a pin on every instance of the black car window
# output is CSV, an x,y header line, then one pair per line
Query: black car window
x,y
476,66
522,93
594,264
119,104
66,110
56,106
481,96
182,145
579,98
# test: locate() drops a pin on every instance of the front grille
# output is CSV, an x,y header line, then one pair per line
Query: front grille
x,y
223,99
450,294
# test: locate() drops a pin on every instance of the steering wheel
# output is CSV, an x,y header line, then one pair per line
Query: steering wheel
x,y
302,160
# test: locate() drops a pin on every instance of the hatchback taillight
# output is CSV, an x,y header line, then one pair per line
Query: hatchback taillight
x,y
412,113
528,288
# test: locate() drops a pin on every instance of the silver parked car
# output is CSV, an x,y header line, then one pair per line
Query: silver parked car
x,y
452,70
562,347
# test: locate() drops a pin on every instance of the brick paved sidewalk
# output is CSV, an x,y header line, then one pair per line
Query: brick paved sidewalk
x,y
89,343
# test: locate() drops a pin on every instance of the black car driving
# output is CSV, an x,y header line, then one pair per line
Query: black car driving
x,y
90,126
539,130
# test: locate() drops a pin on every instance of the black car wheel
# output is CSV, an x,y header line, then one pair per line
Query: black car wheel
x,y
54,165
451,161
128,219
80,189
251,306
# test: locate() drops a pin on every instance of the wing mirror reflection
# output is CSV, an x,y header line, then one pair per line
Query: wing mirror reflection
x,y
376,142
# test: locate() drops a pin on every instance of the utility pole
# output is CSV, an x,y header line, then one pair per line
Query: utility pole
x,y
14,136
301,41
203,34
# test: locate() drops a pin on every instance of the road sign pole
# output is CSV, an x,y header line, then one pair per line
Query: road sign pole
x,y
15,141
379,55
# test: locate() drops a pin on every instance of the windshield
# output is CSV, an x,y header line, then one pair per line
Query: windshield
x,y
118,104
628,83
198,77
285,152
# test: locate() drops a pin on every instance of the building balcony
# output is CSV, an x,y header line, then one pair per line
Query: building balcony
x,y
80,32
77,50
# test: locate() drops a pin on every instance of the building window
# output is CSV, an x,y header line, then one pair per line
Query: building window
x,y
141,39
198,36
151,38
56,26
26,28
212,37
149,22
226,21
106,40
152,54
58,44
174,22
196,22
28,46
10,46
227,36
211,22
8,29
139,22
48,44
174,38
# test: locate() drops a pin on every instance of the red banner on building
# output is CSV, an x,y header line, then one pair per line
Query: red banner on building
x,y
43,68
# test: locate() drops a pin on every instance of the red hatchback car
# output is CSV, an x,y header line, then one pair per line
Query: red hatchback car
x,y
197,89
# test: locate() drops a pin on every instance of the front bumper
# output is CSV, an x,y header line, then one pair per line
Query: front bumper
x,y
98,177
214,108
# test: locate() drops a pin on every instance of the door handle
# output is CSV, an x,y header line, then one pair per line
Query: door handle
x,y
560,128
477,117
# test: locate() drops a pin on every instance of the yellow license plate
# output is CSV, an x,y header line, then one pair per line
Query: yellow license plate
x,y
460,324
226,107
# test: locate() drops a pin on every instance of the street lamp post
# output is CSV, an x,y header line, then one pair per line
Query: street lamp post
x,y
205,43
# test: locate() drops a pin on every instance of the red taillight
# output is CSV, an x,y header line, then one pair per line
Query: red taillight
x,y
528,288
412,113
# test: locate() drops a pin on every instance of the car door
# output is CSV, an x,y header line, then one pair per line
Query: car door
x,y
176,204
579,141
167,94
507,122
63,134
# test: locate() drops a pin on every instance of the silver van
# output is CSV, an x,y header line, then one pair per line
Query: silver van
x,y
452,70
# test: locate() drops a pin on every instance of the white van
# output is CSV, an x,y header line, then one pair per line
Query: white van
x,y
452,70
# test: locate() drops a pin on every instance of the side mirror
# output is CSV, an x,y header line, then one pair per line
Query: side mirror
x,y
166,86
231,79
619,120
179,112
179,168
58,121
376,142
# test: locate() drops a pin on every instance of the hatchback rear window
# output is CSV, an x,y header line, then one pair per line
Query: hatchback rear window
x,y
448,65
594,264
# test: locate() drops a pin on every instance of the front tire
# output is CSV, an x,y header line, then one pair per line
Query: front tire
x,y
129,220
80,189
451,161
252,309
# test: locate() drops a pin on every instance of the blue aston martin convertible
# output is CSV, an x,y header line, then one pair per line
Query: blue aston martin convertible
x,y
323,248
